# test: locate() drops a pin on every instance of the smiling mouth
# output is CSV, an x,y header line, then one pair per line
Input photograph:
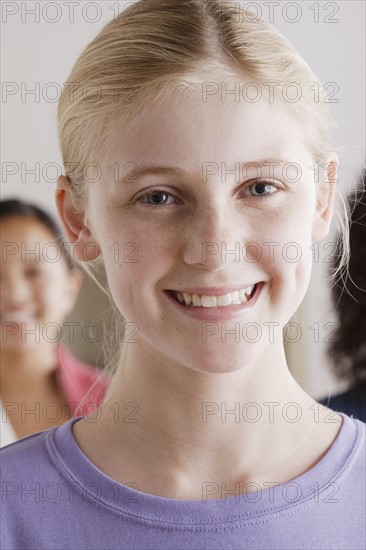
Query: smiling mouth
x,y
238,297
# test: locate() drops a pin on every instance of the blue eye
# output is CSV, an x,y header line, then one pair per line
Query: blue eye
x,y
157,194
262,188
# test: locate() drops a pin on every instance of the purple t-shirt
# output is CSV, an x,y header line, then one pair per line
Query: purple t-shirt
x,y
53,497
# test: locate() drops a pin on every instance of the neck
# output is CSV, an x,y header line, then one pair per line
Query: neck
x,y
204,425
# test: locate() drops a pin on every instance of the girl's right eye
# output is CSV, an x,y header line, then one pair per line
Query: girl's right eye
x,y
150,195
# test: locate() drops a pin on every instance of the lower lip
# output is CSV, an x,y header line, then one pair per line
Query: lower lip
x,y
217,313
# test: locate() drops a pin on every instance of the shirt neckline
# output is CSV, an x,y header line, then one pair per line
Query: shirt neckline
x,y
99,488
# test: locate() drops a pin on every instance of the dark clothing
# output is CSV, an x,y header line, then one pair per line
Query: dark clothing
x,y
351,402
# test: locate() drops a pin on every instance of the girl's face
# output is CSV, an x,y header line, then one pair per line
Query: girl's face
x,y
198,220
37,290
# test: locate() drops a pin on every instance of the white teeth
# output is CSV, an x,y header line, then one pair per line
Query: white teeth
x,y
236,297
224,300
208,301
187,298
242,295
196,300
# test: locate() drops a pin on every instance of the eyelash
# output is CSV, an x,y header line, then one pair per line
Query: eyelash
x,y
156,191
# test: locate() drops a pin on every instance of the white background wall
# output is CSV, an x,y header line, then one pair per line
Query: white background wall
x,y
42,40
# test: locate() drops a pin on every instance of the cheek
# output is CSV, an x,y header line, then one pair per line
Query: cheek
x,y
135,251
287,254
289,231
135,270
132,281
52,296
290,274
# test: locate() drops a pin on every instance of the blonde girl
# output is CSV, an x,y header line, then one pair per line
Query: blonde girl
x,y
202,207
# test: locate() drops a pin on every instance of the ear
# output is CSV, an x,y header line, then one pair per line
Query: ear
x,y
325,198
85,247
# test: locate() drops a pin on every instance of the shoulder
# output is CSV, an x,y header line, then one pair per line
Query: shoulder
x,y
34,465
32,478
25,458
353,467
25,466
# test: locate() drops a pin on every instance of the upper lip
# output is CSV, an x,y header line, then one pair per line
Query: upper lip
x,y
215,290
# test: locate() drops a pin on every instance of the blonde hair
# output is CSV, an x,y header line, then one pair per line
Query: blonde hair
x,y
158,47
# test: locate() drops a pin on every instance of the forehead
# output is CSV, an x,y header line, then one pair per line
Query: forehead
x,y
25,228
187,130
20,233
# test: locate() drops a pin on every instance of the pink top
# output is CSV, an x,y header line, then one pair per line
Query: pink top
x,y
75,378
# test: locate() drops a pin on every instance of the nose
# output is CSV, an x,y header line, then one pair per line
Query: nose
x,y
214,238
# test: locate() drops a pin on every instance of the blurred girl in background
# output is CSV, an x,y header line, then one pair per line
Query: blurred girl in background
x,y
41,382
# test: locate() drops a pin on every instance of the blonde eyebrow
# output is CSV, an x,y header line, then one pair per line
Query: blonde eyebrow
x,y
263,162
139,173
175,171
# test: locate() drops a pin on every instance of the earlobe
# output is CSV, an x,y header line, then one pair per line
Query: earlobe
x,y
325,199
85,247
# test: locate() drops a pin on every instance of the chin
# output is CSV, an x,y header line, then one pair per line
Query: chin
x,y
223,364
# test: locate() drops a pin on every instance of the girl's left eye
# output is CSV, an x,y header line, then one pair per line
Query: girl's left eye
x,y
261,188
